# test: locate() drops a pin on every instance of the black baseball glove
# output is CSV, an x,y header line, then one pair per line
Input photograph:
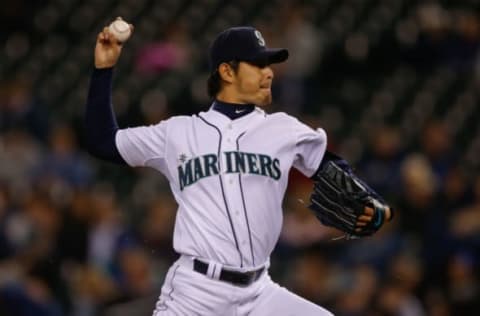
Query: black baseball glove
x,y
340,200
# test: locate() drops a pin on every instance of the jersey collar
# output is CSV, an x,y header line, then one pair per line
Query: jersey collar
x,y
232,110
222,121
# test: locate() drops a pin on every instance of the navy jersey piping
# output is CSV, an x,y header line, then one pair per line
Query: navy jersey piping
x,y
244,204
221,186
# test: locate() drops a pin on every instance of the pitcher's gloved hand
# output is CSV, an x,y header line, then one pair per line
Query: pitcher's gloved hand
x,y
341,200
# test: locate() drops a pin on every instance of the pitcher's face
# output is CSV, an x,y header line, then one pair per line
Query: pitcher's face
x,y
252,84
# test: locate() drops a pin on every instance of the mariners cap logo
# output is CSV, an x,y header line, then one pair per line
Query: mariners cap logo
x,y
259,36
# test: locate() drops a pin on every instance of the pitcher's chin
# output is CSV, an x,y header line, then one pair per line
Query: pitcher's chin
x,y
264,104
266,99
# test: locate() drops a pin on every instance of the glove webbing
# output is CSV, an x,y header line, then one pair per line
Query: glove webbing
x,y
345,211
349,224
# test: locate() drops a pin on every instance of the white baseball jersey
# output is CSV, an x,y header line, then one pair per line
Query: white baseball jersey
x,y
228,178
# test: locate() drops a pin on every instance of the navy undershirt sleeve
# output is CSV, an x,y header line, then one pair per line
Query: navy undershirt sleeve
x,y
342,163
100,123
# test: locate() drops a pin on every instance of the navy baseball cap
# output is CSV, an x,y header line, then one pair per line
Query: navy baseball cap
x,y
243,43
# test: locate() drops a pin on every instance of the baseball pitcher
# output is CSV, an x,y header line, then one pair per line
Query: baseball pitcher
x,y
228,169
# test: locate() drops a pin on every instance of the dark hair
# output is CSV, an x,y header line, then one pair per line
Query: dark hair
x,y
214,82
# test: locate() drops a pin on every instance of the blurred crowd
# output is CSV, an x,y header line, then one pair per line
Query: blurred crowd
x,y
80,237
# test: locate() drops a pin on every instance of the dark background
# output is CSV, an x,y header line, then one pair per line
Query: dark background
x,y
393,82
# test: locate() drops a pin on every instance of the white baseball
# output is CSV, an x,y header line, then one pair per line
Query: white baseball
x,y
120,29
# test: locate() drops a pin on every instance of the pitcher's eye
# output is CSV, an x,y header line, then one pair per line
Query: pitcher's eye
x,y
259,63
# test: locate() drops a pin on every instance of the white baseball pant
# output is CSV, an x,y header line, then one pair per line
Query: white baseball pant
x,y
186,292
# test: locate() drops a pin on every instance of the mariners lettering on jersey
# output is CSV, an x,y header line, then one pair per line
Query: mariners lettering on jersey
x,y
236,162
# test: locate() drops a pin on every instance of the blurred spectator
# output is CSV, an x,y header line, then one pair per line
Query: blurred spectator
x,y
456,190
436,303
6,249
31,297
91,289
35,268
407,271
357,293
394,300
73,234
422,216
463,288
137,278
313,278
157,229
380,166
449,37
461,50
108,234
465,222
418,198
375,251
302,229
18,109
64,167
19,154
291,83
437,146
172,52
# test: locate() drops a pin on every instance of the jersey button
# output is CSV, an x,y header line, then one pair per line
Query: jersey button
x,y
229,140
229,126
230,181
